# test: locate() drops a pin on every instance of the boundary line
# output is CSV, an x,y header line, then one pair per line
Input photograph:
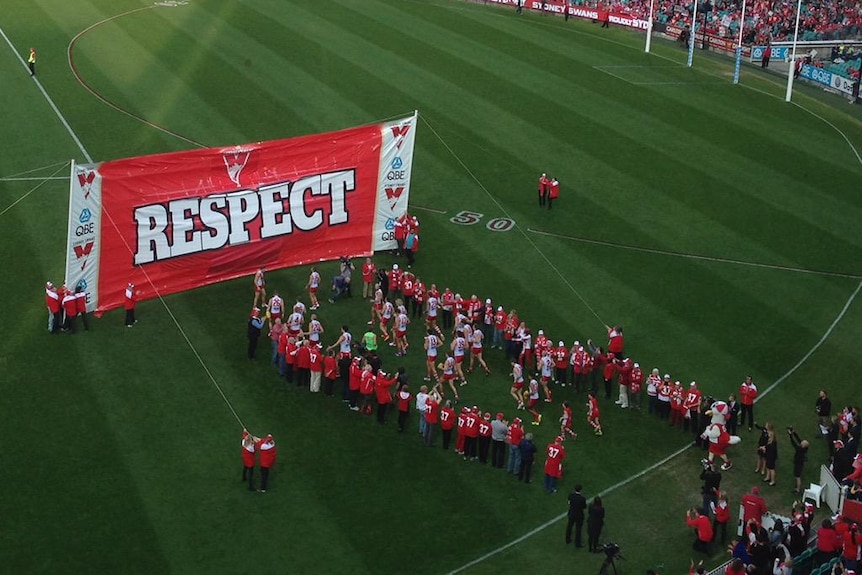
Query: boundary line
x,y
48,98
673,455
695,256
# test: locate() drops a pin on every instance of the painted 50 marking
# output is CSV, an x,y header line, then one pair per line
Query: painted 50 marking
x,y
467,218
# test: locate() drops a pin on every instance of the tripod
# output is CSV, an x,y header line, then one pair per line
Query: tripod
x,y
608,567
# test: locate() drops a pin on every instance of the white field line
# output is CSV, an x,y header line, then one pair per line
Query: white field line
x,y
673,455
36,187
696,256
48,98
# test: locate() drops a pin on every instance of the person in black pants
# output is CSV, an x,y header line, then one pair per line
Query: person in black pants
x,y
255,324
595,522
528,456
577,506
711,485
800,447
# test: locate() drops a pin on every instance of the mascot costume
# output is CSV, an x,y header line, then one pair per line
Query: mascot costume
x,y
717,434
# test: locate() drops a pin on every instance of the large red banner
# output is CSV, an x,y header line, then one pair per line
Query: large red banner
x,y
172,222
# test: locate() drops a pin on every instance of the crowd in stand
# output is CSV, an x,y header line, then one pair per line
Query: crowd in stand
x,y
820,19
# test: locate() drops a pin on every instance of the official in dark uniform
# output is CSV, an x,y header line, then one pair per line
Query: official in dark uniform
x,y
577,506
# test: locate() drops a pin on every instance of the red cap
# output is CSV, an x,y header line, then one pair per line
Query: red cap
x,y
500,415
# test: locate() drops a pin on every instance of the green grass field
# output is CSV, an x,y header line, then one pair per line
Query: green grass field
x,y
717,223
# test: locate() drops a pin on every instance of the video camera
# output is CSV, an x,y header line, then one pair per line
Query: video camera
x,y
612,550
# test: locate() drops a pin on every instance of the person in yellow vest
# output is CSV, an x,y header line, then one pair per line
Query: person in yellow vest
x,y
31,61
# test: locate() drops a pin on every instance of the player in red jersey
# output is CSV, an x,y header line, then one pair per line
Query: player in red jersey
x,y
531,398
517,384
366,389
259,287
593,413
369,271
566,422
312,285
554,464
432,417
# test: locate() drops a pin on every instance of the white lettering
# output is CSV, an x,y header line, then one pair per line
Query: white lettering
x,y
191,225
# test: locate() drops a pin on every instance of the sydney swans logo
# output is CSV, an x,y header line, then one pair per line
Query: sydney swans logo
x,y
235,162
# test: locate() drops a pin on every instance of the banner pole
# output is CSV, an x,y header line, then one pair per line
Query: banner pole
x,y
792,65
693,36
649,28
70,229
738,65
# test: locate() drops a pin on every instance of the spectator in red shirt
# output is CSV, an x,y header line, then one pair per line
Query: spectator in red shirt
x,y
828,543
330,373
702,525
753,506
432,417
404,396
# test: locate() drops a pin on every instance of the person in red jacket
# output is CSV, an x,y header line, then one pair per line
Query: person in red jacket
x,y
403,397
484,438
753,506
302,364
447,423
330,373
129,305
248,448
70,311
747,395
54,305
471,434
616,341
382,383
432,417
543,189
266,447
702,525
593,414
369,272
828,543
81,304
316,360
721,516
354,380
554,464
553,186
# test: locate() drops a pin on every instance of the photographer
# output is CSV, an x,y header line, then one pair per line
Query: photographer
x,y
800,447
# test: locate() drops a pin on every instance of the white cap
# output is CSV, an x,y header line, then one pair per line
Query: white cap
x,y
667,376
500,308
561,344
488,301
692,384
541,332
394,266
637,364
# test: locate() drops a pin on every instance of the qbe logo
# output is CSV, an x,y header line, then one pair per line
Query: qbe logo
x,y
397,163
390,224
85,216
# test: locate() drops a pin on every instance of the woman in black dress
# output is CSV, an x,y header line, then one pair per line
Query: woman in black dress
x,y
770,456
595,522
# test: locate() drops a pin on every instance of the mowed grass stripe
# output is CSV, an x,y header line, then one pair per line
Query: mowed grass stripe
x,y
490,87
